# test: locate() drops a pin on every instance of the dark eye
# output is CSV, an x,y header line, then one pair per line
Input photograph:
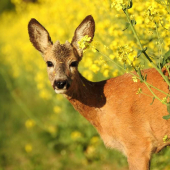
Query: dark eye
x,y
74,64
49,64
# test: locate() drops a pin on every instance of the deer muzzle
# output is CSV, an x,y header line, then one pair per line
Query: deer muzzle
x,y
61,86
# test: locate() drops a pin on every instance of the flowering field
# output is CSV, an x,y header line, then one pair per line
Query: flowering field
x,y
39,129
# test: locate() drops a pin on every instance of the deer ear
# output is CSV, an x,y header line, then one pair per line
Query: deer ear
x,y
87,27
39,36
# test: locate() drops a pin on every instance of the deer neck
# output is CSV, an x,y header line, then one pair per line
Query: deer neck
x,y
87,98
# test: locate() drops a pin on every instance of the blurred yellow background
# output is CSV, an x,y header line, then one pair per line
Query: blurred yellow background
x,y
39,129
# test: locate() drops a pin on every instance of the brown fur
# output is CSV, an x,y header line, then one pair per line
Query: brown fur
x,y
61,50
125,121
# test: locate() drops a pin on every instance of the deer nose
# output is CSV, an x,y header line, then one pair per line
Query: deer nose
x,y
60,84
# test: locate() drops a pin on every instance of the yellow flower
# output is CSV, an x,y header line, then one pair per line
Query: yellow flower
x,y
90,150
164,100
124,53
139,91
76,135
118,4
135,79
139,19
52,130
115,73
94,68
29,123
111,56
166,139
94,140
106,73
93,48
88,74
28,148
83,43
57,109
106,47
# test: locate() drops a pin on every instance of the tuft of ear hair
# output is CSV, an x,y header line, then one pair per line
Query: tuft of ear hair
x,y
39,36
87,27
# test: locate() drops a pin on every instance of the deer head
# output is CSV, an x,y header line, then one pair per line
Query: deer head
x,y
62,59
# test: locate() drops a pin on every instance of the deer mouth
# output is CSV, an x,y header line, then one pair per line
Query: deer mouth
x,y
61,86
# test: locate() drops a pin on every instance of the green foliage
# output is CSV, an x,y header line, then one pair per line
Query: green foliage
x,y
165,59
5,5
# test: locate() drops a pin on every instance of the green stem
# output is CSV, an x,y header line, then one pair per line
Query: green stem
x,y
150,85
157,89
159,45
132,28
152,92
144,51
110,60
167,68
147,95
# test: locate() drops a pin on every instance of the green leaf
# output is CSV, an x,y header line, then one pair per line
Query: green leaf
x,y
144,49
166,117
145,77
168,107
153,99
166,58
126,26
133,22
140,75
130,4
139,53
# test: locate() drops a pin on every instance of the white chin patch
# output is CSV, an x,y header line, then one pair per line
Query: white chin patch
x,y
60,91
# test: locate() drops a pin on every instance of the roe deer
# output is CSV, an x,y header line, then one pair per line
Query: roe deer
x,y
124,120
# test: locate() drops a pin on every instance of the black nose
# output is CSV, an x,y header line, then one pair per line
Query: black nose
x,y
60,84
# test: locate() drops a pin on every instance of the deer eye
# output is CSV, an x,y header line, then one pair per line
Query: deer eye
x,y
49,64
74,64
